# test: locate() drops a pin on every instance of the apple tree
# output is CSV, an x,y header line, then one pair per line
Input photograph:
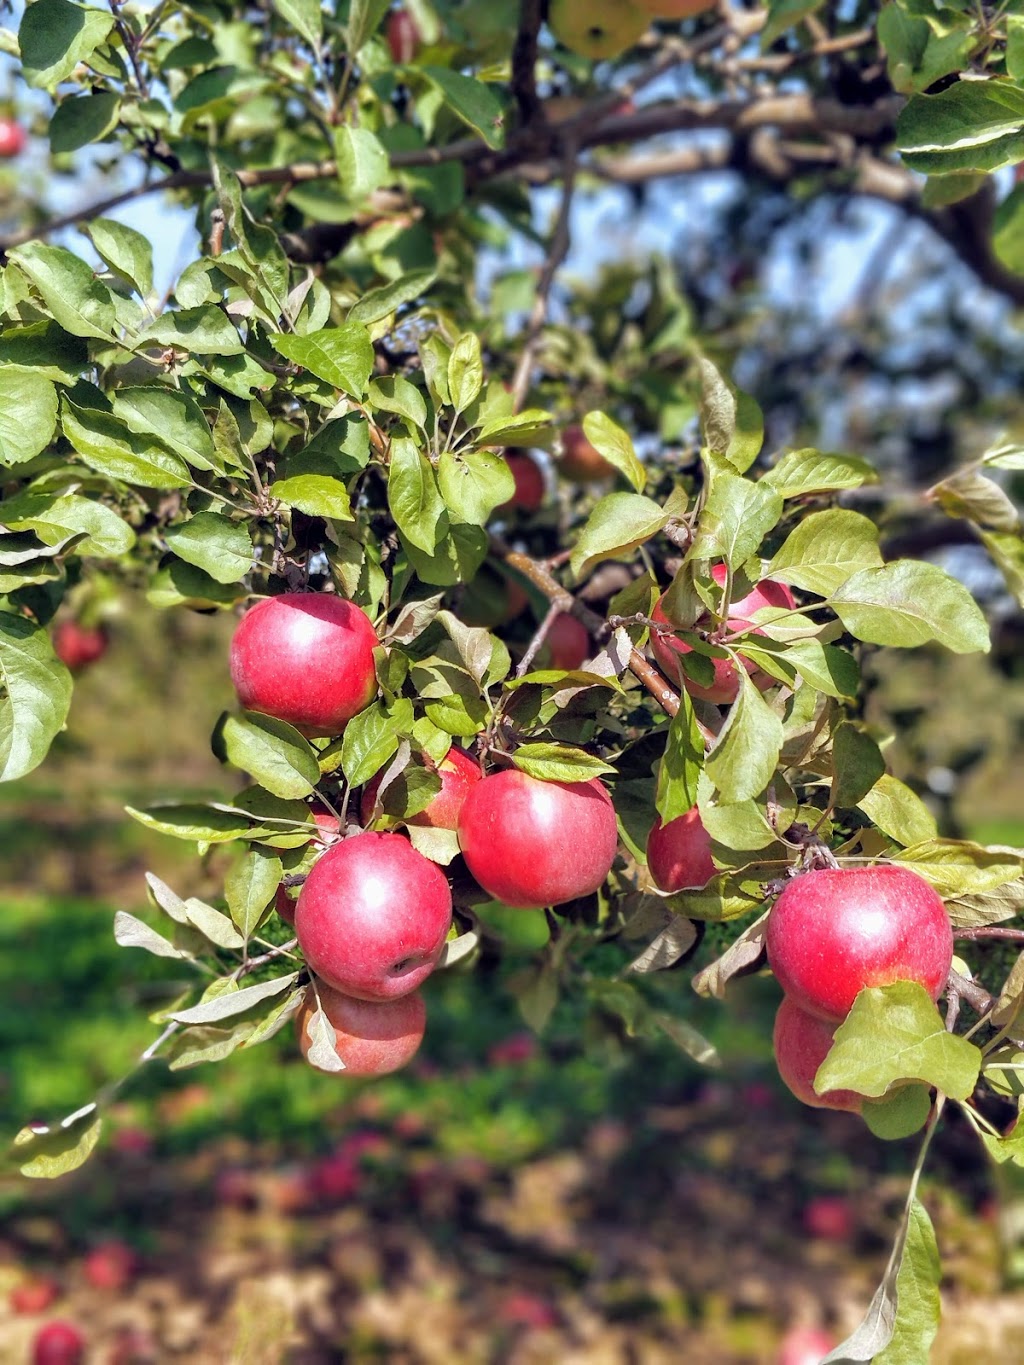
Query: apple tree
x,y
531,617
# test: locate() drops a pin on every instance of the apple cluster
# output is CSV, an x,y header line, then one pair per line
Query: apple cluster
x,y
374,914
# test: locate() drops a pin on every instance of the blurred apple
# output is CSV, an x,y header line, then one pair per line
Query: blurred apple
x,y
805,1346
34,1294
58,1343
110,1265
829,1217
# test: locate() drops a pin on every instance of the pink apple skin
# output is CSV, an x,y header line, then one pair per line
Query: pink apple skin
x,y
802,1042
566,644
458,772
833,932
679,853
78,646
529,480
58,1343
306,658
829,1217
581,461
371,1037
726,686
805,1346
372,916
531,843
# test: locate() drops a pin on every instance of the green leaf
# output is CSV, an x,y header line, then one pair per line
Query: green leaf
x,y
371,739
1007,553
305,17
341,356
173,418
318,495
455,559
617,525
45,348
225,1006
214,543
28,415
529,427
956,867
105,534
784,15
126,251
273,752
380,303
195,822
37,695
899,1114
917,1295
825,549
895,1033
363,164
475,103
132,932
465,371
197,331
973,125
55,36
559,763
72,294
250,886
413,495
746,753
737,516
681,764
398,395
917,55
474,484
609,440
800,472
827,668
364,18
898,812
857,764
108,447
82,119
731,423
909,603
970,494
45,1153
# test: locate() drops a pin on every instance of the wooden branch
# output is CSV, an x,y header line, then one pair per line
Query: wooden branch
x,y
524,64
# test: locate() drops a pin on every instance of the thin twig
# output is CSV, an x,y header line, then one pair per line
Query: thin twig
x,y
989,931
540,634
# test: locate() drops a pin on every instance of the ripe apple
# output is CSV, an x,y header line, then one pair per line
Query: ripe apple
x,y
566,644
531,843
403,36
328,828
580,461
668,649
829,1217
110,1265
457,771
58,1343
371,1037
34,1295
372,916
520,1308
673,9
679,853
529,479
833,932
306,658
805,1346
12,138
802,1042
78,646
599,29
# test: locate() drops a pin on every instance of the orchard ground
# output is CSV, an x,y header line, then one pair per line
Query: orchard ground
x,y
506,1199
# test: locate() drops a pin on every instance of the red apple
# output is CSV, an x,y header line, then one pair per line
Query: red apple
x,y
457,771
336,1177
58,1343
520,1308
514,1050
833,932
34,1295
306,658
373,915
531,843
328,832
371,1037
802,1042
529,479
829,1217
805,1346
679,853
566,644
581,461
78,646
12,138
403,36
110,1265
668,649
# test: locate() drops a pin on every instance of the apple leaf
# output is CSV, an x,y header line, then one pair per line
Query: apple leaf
x,y
37,697
273,752
28,414
250,885
617,525
214,543
616,445
559,763
957,867
746,753
731,423
230,1003
800,472
898,812
825,549
131,932
899,1114
737,516
681,763
857,764
340,356
895,1033
909,603
323,1049
413,496
45,1152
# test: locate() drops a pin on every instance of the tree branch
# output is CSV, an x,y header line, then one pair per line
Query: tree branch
x,y
524,64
